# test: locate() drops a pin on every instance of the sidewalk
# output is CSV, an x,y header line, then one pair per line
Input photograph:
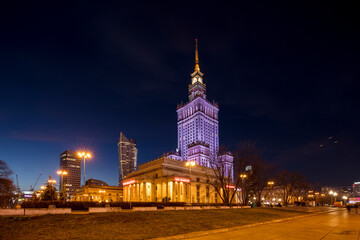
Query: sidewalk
x,y
337,224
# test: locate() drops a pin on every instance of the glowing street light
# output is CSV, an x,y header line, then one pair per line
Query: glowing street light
x,y
102,191
52,181
333,194
271,184
243,176
190,164
84,155
62,173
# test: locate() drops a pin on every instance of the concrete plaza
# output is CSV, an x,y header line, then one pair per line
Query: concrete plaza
x,y
333,225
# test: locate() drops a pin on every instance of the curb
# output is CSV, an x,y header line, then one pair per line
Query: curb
x,y
222,230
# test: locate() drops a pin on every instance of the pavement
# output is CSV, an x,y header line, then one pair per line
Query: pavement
x,y
337,224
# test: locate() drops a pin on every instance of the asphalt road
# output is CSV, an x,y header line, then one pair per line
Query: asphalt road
x,y
334,225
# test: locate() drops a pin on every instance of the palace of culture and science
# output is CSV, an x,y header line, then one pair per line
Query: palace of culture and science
x,y
198,125
169,178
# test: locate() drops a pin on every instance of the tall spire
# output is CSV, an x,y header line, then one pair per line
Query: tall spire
x,y
197,67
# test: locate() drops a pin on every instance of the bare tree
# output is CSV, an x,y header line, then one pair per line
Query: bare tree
x,y
7,187
252,171
290,184
247,162
261,173
220,177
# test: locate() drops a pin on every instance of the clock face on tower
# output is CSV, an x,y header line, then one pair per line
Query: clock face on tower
x,y
195,79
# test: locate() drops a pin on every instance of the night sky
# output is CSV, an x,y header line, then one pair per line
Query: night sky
x,y
74,75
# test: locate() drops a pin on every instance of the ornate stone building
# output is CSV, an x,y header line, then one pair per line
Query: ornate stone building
x,y
198,126
169,178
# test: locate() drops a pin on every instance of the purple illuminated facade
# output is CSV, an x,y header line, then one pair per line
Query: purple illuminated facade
x,y
198,125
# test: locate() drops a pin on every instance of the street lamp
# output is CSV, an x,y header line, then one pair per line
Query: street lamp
x,y
190,164
271,184
344,199
51,181
332,194
62,173
101,191
84,155
243,176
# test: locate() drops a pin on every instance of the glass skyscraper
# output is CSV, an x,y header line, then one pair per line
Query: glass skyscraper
x,y
71,163
127,156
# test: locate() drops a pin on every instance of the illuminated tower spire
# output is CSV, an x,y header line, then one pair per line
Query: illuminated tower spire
x,y
197,86
197,67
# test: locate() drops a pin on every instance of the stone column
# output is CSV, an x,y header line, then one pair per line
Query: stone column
x,y
167,190
173,193
161,187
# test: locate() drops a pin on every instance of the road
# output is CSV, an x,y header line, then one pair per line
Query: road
x,y
334,225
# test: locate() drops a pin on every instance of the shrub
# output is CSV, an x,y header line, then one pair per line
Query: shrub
x,y
124,205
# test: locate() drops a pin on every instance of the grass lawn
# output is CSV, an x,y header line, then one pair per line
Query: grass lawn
x,y
133,225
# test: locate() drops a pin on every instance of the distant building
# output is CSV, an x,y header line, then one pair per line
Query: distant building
x,y
71,163
127,156
99,193
92,181
356,189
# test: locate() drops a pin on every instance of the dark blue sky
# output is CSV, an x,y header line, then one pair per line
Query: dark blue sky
x,y
75,75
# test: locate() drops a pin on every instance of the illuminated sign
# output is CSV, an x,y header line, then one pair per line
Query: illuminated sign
x,y
180,179
354,200
27,196
230,186
128,182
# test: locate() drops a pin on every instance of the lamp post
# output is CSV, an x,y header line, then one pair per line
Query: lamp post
x,y
130,194
84,155
62,173
270,184
335,194
243,176
331,193
190,164
344,199
51,182
101,191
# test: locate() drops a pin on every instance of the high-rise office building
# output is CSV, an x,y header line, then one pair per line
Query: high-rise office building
x,y
356,189
127,156
71,163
